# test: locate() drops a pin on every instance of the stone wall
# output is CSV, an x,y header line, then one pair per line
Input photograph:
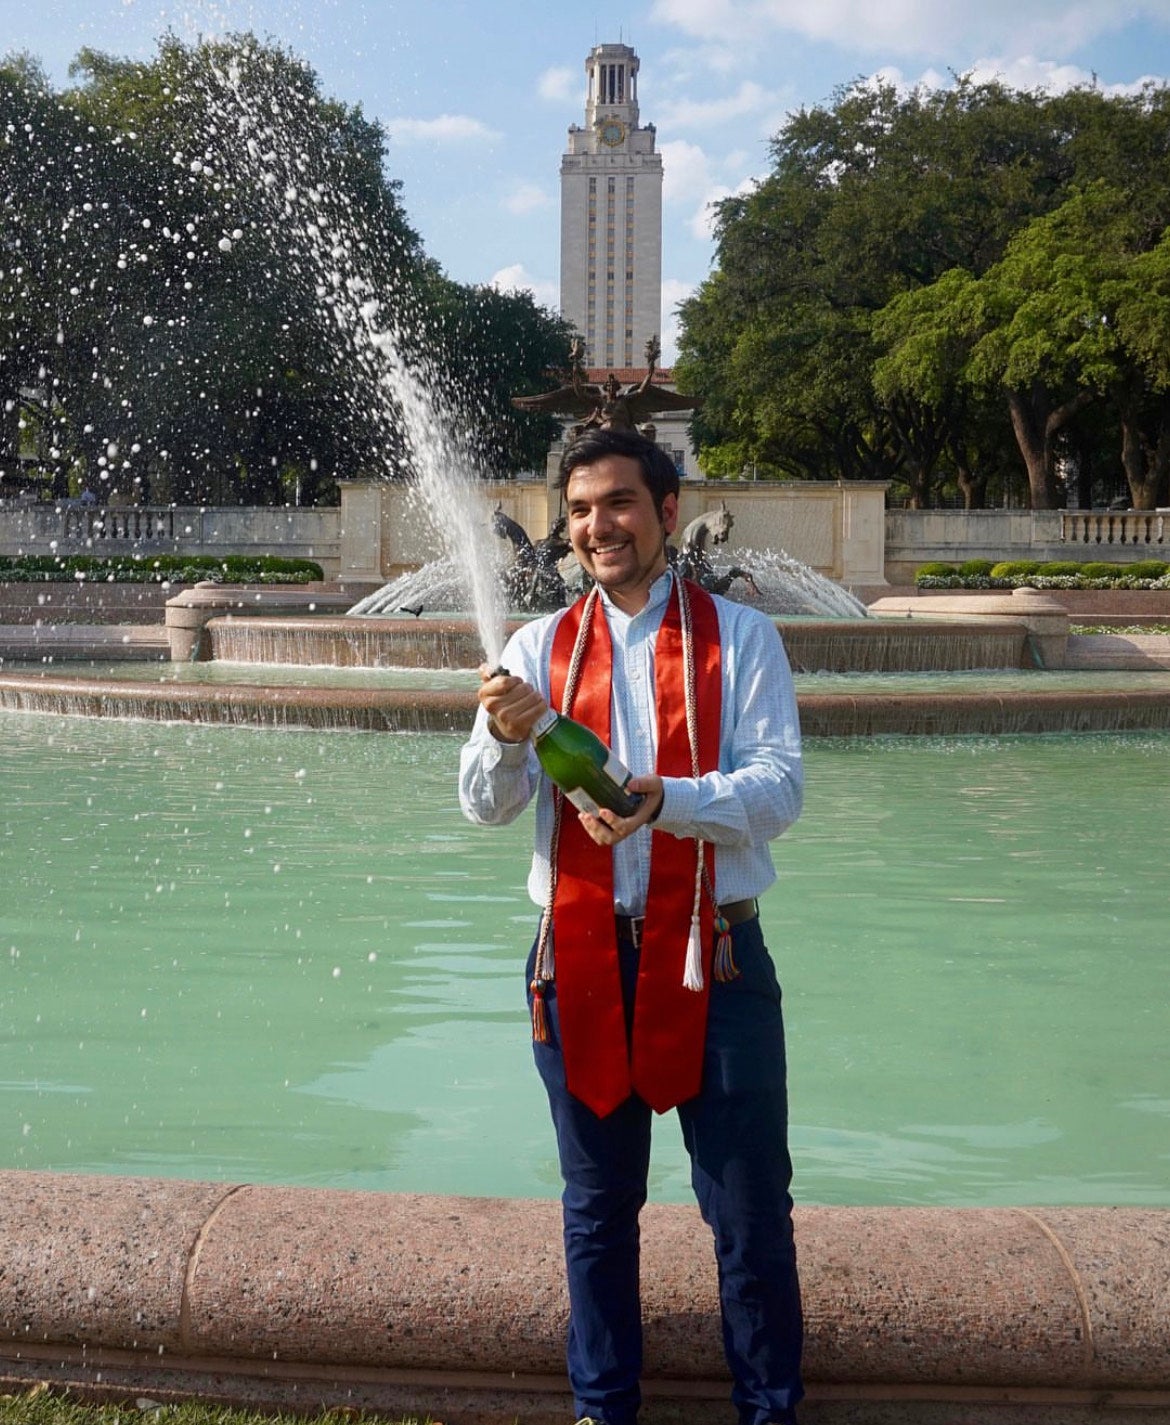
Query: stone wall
x,y
840,529
915,537
454,1308
69,527
837,529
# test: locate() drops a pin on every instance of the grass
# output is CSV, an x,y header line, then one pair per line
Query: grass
x,y
42,1406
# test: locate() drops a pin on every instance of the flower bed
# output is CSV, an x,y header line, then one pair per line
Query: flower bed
x,y
1039,574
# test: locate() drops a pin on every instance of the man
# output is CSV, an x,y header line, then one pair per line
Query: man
x,y
649,981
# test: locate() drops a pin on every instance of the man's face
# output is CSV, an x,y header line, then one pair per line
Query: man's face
x,y
616,533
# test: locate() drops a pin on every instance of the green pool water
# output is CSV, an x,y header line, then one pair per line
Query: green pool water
x,y
285,957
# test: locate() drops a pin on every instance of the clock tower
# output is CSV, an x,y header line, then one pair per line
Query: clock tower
x,y
611,217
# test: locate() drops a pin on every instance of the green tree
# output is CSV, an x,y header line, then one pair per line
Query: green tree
x,y
1066,318
492,346
206,256
877,194
809,344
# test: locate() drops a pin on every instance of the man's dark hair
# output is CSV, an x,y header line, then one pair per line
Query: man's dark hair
x,y
658,470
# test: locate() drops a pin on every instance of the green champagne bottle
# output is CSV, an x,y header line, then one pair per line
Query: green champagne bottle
x,y
582,765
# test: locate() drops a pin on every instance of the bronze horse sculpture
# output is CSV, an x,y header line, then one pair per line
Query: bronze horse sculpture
x,y
532,580
692,560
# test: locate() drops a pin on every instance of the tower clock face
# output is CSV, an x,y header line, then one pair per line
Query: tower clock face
x,y
612,133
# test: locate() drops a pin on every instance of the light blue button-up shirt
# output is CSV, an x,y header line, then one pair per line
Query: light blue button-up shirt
x,y
755,794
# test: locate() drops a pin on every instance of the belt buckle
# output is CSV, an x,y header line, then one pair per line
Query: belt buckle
x,y
631,927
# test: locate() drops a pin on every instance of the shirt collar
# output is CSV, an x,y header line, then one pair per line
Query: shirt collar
x,y
655,603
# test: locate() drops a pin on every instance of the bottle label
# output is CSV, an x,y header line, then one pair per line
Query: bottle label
x,y
583,801
616,771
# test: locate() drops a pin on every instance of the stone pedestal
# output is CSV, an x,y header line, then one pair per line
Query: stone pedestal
x,y
361,530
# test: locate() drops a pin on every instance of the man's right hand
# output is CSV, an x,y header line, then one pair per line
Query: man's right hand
x,y
512,705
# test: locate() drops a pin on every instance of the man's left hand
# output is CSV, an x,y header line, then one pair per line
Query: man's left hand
x,y
607,828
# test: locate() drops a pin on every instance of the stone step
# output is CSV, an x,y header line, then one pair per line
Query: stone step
x,y
72,641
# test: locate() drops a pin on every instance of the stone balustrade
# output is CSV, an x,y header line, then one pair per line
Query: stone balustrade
x,y
1117,527
90,525
72,527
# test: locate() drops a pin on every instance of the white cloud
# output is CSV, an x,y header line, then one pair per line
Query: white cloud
x,y
923,27
686,65
702,223
705,19
527,198
673,292
516,279
750,98
1024,73
692,178
447,128
1029,73
559,83
686,172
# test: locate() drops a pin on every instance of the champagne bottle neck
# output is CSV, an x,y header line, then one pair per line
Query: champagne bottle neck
x,y
546,720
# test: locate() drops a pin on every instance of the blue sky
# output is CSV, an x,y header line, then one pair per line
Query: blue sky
x,y
477,94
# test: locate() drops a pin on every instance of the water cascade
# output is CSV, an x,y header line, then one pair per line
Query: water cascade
x,y
781,585
394,379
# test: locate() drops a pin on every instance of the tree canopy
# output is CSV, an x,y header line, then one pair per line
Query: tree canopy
x,y
198,258
937,289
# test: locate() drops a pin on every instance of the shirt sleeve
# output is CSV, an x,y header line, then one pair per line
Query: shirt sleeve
x,y
758,791
497,779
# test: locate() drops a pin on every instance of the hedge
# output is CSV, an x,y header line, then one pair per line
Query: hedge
x,y
1044,574
158,569
1055,573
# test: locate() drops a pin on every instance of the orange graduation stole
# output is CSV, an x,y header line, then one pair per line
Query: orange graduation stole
x,y
663,1058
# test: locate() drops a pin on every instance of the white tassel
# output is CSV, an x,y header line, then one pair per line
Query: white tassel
x,y
693,969
693,973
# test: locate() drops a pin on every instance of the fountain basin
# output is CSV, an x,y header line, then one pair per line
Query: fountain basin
x,y
867,712
456,1307
813,645
345,642
1046,620
187,613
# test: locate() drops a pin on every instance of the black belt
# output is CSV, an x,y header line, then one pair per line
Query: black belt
x,y
630,927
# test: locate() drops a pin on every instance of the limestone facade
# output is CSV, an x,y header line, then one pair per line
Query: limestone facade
x,y
611,216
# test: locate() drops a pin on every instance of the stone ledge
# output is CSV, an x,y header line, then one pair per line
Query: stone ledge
x,y
109,643
842,714
271,1295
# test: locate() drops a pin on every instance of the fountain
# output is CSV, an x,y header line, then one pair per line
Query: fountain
x,y
540,577
102,1278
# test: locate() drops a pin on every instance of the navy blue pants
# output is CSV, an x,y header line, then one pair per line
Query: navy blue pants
x,y
736,1132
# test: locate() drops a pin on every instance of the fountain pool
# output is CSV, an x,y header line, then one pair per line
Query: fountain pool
x,y
286,958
